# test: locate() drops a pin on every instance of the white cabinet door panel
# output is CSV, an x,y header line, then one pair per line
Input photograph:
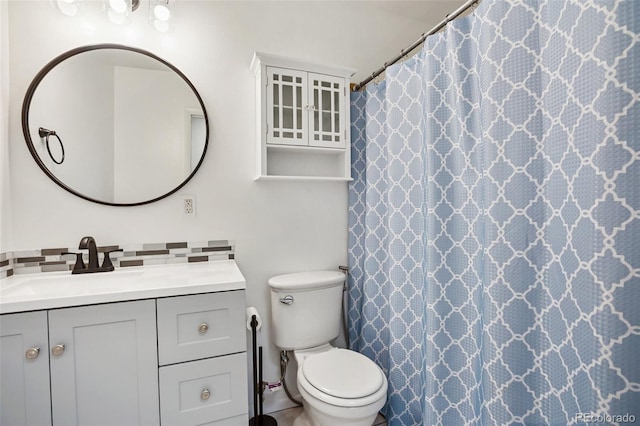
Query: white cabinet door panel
x,y
327,96
287,112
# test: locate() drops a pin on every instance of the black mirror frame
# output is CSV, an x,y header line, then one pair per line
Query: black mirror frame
x,y
57,60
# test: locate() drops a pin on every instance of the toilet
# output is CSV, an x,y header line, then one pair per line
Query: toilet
x,y
338,386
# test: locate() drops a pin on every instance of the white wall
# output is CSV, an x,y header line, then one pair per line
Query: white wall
x,y
279,227
6,229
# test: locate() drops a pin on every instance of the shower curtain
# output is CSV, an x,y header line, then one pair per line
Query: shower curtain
x,y
494,219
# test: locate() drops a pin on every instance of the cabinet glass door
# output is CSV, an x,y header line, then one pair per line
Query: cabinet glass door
x,y
328,126
286,102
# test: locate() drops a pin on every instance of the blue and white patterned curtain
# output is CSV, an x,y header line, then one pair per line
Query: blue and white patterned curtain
x,y
494,237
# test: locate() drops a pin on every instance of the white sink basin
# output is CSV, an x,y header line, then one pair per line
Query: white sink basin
x,y
42,284
61,289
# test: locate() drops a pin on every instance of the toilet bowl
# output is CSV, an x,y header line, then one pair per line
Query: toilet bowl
x,y
338,386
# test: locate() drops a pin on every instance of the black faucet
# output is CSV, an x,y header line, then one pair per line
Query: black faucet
x,y
89,243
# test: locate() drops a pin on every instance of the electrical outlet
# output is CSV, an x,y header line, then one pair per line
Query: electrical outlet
x,y
189,204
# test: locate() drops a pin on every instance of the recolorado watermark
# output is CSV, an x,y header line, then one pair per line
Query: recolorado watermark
x,y
605,418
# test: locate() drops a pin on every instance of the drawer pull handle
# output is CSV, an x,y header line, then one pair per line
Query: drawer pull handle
x,y
205,394
203,328
58,350
32,353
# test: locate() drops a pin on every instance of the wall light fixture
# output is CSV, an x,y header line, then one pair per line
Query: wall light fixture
x,y
119,11
160,15
67,7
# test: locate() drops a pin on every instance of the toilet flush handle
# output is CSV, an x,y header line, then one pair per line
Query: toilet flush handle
x,y
287,300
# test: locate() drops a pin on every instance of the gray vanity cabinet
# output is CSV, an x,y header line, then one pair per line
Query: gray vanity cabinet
x,y
118,363
203,360
88,365
104,368
24,370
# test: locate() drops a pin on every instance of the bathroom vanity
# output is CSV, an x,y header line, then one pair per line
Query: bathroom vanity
x,y
151,345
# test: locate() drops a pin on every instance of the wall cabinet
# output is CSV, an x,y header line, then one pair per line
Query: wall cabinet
x,y
303,122
99,364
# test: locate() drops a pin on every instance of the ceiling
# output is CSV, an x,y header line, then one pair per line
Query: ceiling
x,y
430,12
419,17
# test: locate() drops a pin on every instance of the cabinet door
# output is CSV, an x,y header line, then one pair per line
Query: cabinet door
x,y
328,124
107,371
24,369
287,107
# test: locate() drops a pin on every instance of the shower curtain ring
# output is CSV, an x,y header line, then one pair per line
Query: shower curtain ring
x,y
46,133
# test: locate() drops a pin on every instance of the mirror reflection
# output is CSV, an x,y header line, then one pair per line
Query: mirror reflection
x,y
132,127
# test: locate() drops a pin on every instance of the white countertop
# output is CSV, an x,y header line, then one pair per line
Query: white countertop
x,y
48,290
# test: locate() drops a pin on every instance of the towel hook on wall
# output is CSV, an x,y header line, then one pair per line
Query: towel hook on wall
x,y
46,133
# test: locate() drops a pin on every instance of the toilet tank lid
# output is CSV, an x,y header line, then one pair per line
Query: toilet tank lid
x,y
307,280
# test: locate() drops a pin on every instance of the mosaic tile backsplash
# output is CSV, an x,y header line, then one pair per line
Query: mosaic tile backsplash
x,y
52,259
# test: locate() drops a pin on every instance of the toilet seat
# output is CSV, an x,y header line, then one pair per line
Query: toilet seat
x,y
342,372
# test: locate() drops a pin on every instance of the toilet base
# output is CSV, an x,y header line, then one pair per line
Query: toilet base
x,y
312,417
302,420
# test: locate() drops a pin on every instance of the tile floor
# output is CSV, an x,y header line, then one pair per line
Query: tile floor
x,y
286,417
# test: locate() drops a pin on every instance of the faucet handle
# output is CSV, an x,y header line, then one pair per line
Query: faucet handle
x,y
79,262
106,263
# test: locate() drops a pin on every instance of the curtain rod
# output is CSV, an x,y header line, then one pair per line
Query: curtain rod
x,y
450,17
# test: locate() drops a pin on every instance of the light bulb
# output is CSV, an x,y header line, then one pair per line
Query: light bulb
x,y
68,7
162,12
161,16
118,6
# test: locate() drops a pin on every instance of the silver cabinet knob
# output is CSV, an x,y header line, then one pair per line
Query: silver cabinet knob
x,y
58,350
32,353
205,394
203,328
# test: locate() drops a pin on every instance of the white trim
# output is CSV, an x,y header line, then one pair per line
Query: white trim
x,y
268,59
283,404
314,149
303,178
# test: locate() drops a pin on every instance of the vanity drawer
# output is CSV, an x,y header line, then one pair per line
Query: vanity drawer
x,y
205,391
200,326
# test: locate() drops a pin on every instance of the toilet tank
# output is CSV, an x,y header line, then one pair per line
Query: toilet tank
x,y
305,308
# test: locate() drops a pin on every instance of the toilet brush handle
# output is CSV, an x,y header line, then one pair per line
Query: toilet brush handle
x,y
254,324
260,383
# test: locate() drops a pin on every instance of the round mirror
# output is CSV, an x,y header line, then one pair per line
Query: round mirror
x,y
115,125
